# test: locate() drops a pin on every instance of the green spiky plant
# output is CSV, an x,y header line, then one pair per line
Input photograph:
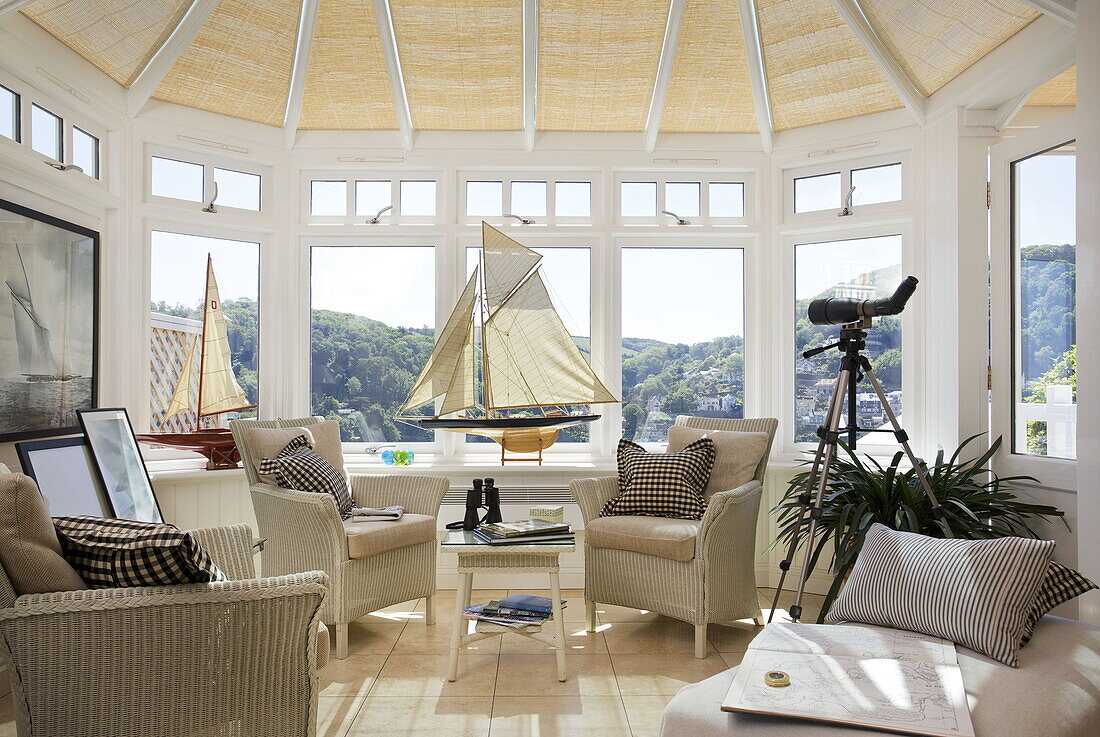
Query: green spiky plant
x,y
861,491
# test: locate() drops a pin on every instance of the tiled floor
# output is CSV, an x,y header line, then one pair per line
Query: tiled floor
x,y
619,678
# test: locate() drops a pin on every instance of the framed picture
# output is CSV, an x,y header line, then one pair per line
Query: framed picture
x,y
119,463
49,306
66,475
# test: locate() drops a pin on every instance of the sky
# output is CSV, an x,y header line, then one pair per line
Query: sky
x,y
819,266
394,284
178,268
1045,198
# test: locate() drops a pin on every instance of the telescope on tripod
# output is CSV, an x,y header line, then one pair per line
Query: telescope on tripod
x,y
855,318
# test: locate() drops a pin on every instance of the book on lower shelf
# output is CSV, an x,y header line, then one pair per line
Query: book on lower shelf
x,y
563,537
515,610
875,677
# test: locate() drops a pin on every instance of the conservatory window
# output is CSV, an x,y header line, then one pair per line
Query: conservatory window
x,y
1044,239
372,196
484,199
418,198
638,199
86,152
328,198
681,356
178,283
180,180
726,200
862,268
876,184
682,198
528,199
237,189
370,338
9,114
573,199
820,192
47,133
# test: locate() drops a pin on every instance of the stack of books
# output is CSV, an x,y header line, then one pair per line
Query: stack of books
x,y
515,610
524,532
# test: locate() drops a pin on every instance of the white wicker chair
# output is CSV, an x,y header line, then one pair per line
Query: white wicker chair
x,y
234,658
717,585
304,532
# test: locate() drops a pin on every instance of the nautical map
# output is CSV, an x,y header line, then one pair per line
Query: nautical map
x,y
873,677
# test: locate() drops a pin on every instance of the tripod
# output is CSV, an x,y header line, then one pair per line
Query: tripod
x,y
854,367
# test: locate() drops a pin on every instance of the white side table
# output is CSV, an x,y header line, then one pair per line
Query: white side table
x,y
475,556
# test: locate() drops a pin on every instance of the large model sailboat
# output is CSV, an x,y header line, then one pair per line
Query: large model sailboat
x,y
209,364
527,358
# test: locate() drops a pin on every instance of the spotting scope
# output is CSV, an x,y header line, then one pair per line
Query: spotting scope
x,y
843,310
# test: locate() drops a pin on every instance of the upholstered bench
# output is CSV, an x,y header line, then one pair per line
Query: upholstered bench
x,y
1054,693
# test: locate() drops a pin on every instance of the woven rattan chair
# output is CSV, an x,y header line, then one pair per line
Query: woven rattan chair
x,y
304,532
714,581
228,659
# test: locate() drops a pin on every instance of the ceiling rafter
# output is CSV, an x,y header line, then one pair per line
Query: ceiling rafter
x,y
758,75
306,24
664,73
1063,11
393,65
10,6
168,54
530,71
1004,114
852,14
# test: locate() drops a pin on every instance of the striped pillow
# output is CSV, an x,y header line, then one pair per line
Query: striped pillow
x,y
976,593
662,484
1061,584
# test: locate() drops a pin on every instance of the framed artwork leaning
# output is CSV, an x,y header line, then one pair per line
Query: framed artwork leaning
x,y
119,463
66,475
49,309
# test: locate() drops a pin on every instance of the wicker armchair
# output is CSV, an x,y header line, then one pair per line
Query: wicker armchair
x,y
304,532
234,658
714,582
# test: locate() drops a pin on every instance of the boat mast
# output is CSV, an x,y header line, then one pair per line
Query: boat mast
x,y
484,337
202,341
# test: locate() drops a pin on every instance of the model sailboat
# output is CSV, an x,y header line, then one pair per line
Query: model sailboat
x,y
528,359
209,364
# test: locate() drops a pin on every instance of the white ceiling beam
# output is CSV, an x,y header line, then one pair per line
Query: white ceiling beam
x,y
162,62
1063,11
530,71
397,79
1004,114
10,6
758,76
664,73
852,14
299,71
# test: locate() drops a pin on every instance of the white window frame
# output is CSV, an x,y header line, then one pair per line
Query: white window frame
x,y
506,176
704,177
209,162
860,213
351,176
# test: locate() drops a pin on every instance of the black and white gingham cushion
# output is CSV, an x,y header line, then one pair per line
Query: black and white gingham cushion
x,y
1061,584
662,484
298,467
116,553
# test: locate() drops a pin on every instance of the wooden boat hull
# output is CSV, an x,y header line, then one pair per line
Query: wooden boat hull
x,y
216,444
514,434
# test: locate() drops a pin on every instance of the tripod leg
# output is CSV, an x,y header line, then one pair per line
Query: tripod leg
x,y
903,441
806,496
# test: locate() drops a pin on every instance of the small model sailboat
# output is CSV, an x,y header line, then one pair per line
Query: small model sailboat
x,y
528,359
209,364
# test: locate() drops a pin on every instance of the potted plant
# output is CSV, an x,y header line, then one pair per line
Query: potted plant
x,y
860,492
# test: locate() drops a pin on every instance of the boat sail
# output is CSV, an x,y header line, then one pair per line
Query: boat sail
x,y
32,337
209,364
528,359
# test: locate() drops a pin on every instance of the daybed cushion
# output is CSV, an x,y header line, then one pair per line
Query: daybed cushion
x,y
1053,694
29,548
662,536
266,442
371,538
736,454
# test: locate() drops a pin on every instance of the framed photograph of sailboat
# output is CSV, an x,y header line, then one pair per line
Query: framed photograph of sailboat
x,y
49,309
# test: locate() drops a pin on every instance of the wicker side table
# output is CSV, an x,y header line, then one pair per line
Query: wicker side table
x,y
476,556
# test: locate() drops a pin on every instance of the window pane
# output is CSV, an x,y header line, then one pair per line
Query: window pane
x,y
238,189
567,274
638,199
484,199
86,152
727,199
573,199
682,198
372,196
1045,340
681,356
177,179
866,268
177,289
9,114
46,133
817,193
328,199
876,184
418,198
528,198
369,338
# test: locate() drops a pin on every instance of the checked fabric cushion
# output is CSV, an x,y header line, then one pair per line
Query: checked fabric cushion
x,y
1060,584
299,467
119,553
662,484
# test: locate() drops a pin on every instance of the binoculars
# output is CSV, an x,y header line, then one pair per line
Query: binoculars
x,y
483,495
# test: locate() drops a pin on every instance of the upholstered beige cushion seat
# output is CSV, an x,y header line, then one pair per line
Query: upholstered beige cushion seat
x,y
668,538
371,538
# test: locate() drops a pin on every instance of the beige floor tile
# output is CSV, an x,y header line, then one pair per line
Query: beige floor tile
x,y
577,640
732,638
425,676
367,636
732,659
651,637
335,714
399,613
811,604
559,716
352,676
644,714
611,613
383,716
663,674
525,674
420,639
